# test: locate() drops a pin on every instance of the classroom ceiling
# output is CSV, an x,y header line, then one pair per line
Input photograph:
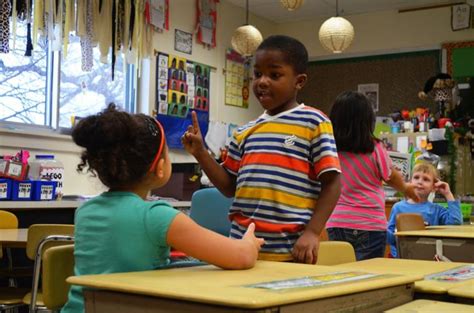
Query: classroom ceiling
x,y
273,10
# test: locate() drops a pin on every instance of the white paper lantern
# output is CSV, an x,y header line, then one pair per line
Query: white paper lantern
x,y
246,39
336,34
291,5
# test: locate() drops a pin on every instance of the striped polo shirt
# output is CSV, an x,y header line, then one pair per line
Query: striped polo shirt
x,y
361,204
277,160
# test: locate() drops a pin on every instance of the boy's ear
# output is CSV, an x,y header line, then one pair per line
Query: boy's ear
x,y
301,81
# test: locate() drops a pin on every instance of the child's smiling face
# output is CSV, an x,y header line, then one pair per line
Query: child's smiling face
x,y
275,82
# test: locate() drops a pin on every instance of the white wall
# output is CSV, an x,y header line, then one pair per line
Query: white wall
x,y
384,32
381,32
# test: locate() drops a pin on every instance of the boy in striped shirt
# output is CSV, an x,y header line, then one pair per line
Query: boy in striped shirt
x,y
282,168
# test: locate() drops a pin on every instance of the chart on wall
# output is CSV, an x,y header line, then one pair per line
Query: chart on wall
x,y
181,87
237,79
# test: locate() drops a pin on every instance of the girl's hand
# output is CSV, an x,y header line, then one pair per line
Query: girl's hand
x,y
192,138
249,236
409,192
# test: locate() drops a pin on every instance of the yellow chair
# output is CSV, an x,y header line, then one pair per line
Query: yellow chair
x,y
41,237
409,221
10,297
58,264
335,252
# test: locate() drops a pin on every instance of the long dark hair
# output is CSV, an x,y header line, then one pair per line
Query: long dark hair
x,y
353,120
119,147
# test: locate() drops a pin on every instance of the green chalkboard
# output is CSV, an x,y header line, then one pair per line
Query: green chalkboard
x,y
463,62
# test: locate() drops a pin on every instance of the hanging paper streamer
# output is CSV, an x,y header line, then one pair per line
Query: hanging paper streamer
x,y
181,86
206,22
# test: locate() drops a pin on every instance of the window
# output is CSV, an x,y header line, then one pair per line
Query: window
x,y
48,88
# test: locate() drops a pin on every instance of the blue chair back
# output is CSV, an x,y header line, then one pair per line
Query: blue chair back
x,y
210,209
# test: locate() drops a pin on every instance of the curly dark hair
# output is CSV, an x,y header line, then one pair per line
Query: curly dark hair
x,y
120,147
293,50
353,120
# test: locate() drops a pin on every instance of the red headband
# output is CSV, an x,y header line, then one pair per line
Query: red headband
x,y
160,148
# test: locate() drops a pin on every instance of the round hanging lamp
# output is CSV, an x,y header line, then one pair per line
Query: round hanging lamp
x,y
336,34
291,5
247,38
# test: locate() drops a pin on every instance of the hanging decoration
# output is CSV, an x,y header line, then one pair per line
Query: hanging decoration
x,y
181,86
114,26
247,38
206,22
336,34
291,5
157,14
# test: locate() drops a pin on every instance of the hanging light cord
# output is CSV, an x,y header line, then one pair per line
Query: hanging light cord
x,y
247,12
337,8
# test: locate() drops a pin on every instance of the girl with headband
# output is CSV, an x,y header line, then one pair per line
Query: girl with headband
x,y
118,231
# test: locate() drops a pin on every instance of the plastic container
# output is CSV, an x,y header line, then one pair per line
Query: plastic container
x,y
5,189
46,167
44,190
22,190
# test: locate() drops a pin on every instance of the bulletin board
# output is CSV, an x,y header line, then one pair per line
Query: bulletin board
x,y
182,86
399,77
237,77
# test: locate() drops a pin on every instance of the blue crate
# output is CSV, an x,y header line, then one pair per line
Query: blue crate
x,y
5,189
44,190
22,190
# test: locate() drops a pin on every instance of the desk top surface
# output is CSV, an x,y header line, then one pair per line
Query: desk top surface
x,y
411,267
209,284
465,291
17,236
462,231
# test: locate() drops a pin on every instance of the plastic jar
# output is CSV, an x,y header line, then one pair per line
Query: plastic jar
x,y
46,167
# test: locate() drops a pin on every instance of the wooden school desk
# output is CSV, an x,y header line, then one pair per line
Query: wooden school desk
x,y
210,289
430,306
464,294
411,267
14,238
457,243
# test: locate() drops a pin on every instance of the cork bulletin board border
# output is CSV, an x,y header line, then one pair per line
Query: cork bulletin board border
x,y
400,77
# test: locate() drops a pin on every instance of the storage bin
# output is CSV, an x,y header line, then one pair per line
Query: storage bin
x,y
5,189
44,190
22,190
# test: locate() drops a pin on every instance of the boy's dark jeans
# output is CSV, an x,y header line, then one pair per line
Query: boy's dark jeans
x,y
367,244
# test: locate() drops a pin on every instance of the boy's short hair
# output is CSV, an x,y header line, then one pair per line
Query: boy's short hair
x,y
294,51
426,168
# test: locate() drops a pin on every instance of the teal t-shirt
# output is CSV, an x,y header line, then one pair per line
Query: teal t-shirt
x,y
118,232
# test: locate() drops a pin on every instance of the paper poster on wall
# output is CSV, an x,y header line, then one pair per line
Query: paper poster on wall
x,y
237,79
181,86
371,91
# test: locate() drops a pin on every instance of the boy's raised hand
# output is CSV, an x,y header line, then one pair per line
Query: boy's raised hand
x,y
443,188
192,138
249,236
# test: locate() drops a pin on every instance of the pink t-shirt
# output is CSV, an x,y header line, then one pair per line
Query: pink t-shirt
x,y
361,204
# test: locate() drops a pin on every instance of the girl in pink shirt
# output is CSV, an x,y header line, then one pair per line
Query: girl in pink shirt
x,y
359,215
